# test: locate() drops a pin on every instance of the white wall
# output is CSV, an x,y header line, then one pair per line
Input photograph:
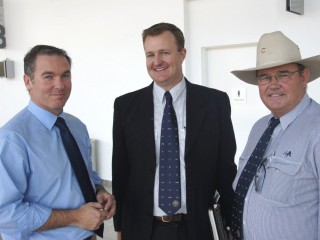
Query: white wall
x,y
103,37
219,23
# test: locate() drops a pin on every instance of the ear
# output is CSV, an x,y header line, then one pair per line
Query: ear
x,y
183,54
27,82
305,76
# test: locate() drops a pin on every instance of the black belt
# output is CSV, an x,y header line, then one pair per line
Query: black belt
x,y
174,218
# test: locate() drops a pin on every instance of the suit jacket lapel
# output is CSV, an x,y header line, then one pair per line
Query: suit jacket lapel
x,y
147,122
195,115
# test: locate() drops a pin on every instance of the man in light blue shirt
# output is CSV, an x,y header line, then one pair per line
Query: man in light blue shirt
x,y
40,197
282,201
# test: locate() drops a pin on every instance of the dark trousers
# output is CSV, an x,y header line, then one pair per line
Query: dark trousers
x,y
169,230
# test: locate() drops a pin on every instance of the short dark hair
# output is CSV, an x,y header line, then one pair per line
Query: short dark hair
x,y
159,28
30,57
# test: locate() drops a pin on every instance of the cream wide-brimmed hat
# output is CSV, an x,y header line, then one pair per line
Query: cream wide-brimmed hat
x,y
275,49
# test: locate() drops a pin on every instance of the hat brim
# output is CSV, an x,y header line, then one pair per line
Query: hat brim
x,y
250,75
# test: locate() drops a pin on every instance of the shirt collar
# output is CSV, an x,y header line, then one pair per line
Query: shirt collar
x,y
175,91
290,116
47,118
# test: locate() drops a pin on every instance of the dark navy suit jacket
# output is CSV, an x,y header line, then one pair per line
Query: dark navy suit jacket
x,y
209,160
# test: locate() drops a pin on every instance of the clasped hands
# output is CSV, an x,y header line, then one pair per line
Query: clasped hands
x,y
92,215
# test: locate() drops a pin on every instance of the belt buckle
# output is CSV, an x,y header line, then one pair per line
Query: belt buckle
x,y
163,219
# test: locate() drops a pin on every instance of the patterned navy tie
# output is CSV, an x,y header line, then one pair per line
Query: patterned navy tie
x,y
79,168
246,178
169,172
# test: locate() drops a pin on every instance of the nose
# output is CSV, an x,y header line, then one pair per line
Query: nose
x,y
157,59
58,82
275,80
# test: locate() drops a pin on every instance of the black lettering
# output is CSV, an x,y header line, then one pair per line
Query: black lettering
x,y
2,37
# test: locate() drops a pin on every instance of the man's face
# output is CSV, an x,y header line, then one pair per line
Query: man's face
x,y
51,85
280,97
163,60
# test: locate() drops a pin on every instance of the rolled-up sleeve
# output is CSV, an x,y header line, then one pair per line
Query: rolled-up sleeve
x,y
18,217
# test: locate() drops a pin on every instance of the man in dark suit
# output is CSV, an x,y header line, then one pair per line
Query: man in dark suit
x,y
206,148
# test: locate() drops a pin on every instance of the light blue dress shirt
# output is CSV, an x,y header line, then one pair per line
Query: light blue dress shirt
x,y
36,176
287,207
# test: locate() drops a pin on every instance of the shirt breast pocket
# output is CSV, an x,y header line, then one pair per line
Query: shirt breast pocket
x,y
280,180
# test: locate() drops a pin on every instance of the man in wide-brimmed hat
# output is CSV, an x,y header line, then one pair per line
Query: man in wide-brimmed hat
x,y
277,184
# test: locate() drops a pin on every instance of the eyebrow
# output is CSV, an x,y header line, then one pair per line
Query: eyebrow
x,y
52,73
46,73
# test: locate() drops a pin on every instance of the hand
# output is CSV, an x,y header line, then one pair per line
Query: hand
x,y
90,216
118,235
108,202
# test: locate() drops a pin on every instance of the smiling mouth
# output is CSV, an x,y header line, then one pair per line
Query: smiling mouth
x,y
275,95
159,69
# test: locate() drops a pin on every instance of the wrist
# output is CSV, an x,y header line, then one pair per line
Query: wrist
x,y
99,188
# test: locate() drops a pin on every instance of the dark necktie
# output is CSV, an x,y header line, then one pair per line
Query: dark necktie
x,y
246,178
78,165
169,171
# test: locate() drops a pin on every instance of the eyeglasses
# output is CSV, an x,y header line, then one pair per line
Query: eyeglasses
x,y
260,175
282,77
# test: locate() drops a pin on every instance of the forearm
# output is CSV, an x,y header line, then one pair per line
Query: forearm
x,y
60,218
89,216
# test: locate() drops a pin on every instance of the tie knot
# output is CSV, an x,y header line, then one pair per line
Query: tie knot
x,y
60,123
274,122
168,97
